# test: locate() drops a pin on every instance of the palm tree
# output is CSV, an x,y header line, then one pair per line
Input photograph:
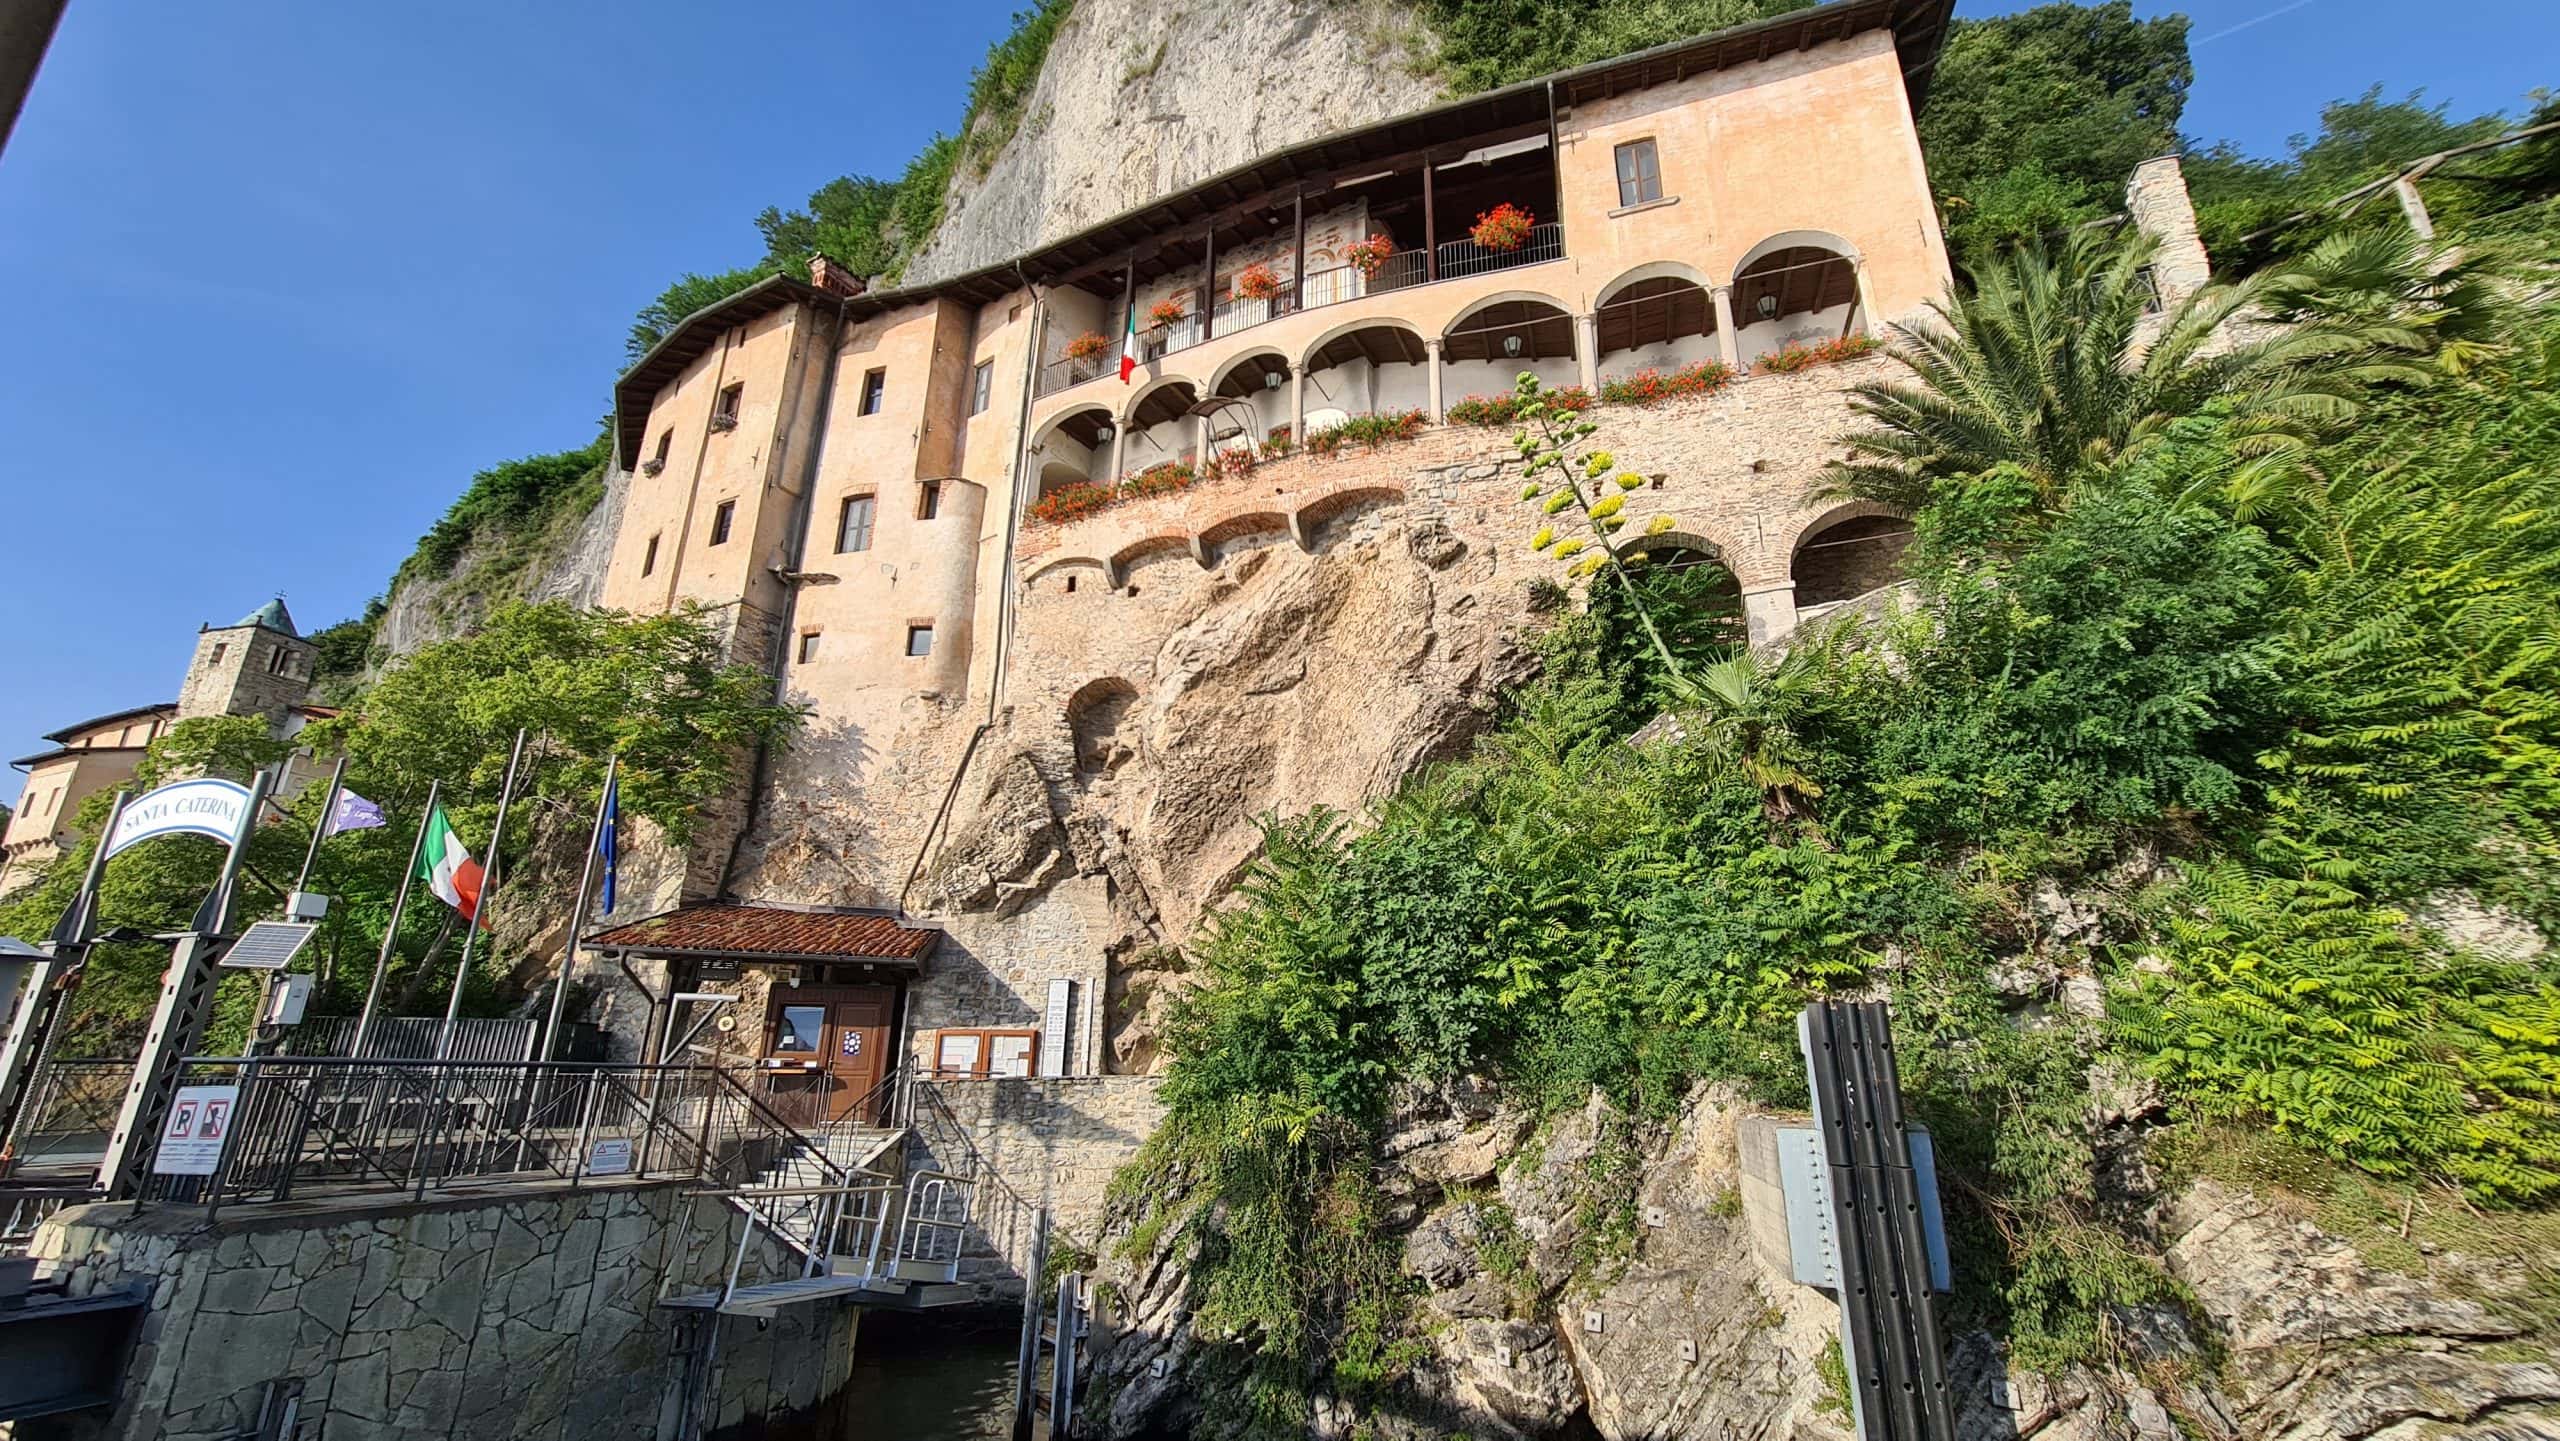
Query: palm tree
x,y
2056,363
2401,293
1743,709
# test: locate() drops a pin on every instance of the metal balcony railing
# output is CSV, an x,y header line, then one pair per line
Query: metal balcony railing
x,y
1464,257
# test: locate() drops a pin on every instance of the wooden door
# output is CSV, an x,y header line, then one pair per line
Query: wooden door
x,y
857,1050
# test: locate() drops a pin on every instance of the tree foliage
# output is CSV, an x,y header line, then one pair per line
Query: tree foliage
x,y
2331,699
1487,44
2036,118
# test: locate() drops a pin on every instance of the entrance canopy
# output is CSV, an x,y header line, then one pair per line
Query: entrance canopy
x,y
770,935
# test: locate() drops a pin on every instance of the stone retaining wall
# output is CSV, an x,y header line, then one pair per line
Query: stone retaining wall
x,y
1056,1141
531,1316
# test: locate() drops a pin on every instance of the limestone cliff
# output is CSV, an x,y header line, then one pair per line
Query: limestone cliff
x,y
564,560
2296,1331
1137,100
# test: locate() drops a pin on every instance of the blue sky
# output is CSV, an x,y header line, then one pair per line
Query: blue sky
x,y
282,276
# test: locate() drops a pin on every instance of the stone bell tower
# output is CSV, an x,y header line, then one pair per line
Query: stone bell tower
x,y
258,665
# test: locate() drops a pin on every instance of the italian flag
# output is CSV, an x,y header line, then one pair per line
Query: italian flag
x,y
1129,346
448,869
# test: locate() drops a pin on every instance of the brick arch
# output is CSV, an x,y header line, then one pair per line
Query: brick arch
x,y
1247,522
1865,560
1810,522
1155,544
1060,562
1725,552
1316,512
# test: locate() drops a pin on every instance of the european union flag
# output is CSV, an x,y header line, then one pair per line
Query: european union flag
x,y
608,847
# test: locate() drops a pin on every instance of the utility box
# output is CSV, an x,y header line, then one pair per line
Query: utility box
x,y
286,1002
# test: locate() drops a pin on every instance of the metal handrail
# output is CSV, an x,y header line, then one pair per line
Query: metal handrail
x,y
1464,257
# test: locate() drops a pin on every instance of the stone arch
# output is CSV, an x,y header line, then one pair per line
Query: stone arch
x,y
1798,287
1098,720
1796,240
1084,429
1057,563
1723,552
1151,397
1483,303
1311,359
1654,270
1478,333
1846,552
1235,377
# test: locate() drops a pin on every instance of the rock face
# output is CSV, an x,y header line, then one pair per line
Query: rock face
x,y
1138,100
1692,1330
567,562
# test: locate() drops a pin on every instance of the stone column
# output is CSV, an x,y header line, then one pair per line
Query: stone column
x,y
2156,197
1769,611
1298,407
1728,346
1866,299
1119,452
1431,357
1586,349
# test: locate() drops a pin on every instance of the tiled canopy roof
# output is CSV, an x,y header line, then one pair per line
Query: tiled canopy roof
x,y
769,933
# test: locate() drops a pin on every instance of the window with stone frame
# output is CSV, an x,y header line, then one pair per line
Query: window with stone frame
x,y
721,519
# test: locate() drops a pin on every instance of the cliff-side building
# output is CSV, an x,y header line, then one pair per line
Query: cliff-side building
x,y
1012,588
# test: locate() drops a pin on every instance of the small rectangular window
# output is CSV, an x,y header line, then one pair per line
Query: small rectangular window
x,y
724,411
853,527
649,557
218,648
875,389
928,499
1639,173
666,442
279,661
808,646
720,520
919,640
982,385
796,1030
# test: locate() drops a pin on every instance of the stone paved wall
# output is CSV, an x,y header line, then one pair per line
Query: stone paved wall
x,y
534,1317
1055,1141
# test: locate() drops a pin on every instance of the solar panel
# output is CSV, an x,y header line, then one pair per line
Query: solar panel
x,y
269,945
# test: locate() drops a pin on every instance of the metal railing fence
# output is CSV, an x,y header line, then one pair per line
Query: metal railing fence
x,y
295,1124
1465,257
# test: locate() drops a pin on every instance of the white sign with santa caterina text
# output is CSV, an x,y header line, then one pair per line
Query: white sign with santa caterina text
x,y
191,1140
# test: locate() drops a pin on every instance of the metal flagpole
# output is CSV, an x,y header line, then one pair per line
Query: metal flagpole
x,y
301,881
578,911
391,931
320,832
480,908
30,1036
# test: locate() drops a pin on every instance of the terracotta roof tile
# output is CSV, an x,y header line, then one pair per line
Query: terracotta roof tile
x,y
752,932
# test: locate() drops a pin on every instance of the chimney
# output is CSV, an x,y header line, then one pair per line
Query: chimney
x,y
2157,198
833,278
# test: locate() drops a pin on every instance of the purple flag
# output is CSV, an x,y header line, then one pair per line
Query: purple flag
x,y
352,813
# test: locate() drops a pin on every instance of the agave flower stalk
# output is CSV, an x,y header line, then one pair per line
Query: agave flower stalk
x,y
1584,496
